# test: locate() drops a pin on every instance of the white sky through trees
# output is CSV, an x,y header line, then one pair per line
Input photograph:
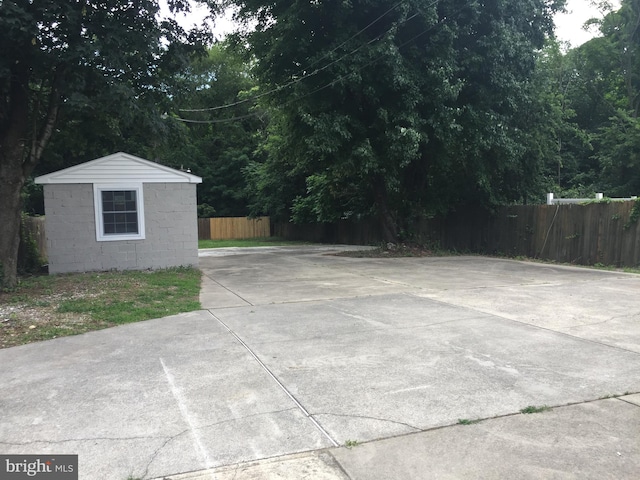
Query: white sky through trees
x,y
568,25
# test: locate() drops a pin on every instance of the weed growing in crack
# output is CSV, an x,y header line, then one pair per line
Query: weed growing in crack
x,y
351,443
615,395
466,421
533,409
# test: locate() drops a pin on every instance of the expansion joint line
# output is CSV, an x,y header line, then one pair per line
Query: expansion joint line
x,y
280,384
229,290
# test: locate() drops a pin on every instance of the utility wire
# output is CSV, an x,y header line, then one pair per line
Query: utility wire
x,y
292,82
239,102
219,120
356,34
333,82
315,72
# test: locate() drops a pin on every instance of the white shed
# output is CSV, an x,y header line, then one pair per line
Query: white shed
x,y
120,212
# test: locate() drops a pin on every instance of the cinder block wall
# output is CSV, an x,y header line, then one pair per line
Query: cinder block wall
x,y
170,228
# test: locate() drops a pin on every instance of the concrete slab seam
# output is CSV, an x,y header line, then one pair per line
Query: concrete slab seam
x,y
521,322
229,290
321,299
494,417
542,264
411,286
356,274
323,455
573,404
187,417
280,384
296,302
337,465
581,339
627,401
183,432
480,316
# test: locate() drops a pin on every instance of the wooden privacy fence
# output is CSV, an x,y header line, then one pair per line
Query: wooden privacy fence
x,y
595,233
606,233
363,232
225,228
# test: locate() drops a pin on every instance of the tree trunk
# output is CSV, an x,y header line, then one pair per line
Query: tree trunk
x,y
11,182
13,131
9,222
17,161
388,223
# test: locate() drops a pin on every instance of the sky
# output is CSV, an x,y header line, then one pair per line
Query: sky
x,y
568,25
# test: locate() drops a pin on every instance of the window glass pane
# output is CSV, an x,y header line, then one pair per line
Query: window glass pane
x,y
109,223
132,223
119,212
107,201
119,217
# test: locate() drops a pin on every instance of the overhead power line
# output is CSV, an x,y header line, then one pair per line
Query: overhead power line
x,y
301,72
217,120
329,84
302,75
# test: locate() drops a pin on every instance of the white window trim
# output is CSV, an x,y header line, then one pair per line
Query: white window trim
x,y
97,207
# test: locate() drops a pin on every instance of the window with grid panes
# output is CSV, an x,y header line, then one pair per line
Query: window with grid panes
x,y
119,212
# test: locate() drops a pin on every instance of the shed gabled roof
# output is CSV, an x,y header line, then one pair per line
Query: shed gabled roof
x,y
117,168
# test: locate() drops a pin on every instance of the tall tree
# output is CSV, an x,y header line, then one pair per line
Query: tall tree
x,y
56,55
618,142
604,94
395,109
558,142
223,127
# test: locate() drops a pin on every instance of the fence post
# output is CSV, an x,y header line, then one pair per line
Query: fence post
x,y
599,196
549,198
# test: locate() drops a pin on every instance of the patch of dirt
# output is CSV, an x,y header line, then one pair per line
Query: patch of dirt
x,y
391,250
51,306
24,319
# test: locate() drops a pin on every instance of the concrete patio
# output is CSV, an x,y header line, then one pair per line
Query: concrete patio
x,y
298,352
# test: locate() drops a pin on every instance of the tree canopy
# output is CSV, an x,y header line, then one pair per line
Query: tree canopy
x,y
220,142
597,86
59,57
325,110
395,109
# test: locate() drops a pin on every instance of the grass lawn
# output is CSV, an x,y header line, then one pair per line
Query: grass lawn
x,y
46,307
248,242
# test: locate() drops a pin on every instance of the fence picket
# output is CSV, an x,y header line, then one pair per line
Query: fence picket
x,y
568,233
227,228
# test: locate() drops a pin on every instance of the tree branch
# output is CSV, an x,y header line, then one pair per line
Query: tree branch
x,y
40,139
